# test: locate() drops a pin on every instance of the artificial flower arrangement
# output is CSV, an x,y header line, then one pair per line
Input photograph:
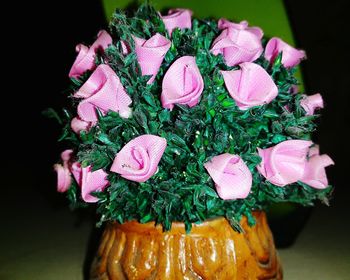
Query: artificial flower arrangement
x,y
180,119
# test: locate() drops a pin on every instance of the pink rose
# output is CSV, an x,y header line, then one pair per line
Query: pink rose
x,y
138,159
103,91
284,163
89,181
150,54
86,56
232,178
182,83
64,179
311,103
237,46
78,125
290,56
177,18
315,172
250,86
243,25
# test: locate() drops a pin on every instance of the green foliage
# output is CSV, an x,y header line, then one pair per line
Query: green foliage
x,y
182,190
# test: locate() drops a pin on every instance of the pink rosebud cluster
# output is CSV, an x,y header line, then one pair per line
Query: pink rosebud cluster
x,y
250,85
88,180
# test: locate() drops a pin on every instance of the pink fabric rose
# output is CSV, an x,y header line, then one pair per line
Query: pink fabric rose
x,y
138,159
237,45
232,178
250,86
311,103
103,90
243,25
177,18
284,163
315,172
89,181
290,56
86,56
78,125
64,179
150,54
182,83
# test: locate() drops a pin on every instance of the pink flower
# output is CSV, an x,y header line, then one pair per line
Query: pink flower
x,y
78,125
64,179
86,56
182,83
89,181
103,91
150,54
243,25
231,175
177,18
311,103
250,86
315,172
290,56
284,163
237,45
138,159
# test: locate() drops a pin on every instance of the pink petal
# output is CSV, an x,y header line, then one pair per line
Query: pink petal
x,y
150,54
138,159
64,179
284,163
232,178
95,181
315,170
78,125
86,56
237,46
311,103
182,83
103,90
290,56
66,156
250,86
243,25
177,18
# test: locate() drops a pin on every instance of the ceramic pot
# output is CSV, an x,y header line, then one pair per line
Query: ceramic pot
x,y
212,251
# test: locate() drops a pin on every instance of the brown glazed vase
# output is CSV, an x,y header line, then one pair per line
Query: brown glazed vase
x,y
212,251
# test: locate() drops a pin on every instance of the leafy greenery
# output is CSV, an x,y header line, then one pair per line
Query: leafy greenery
x,y
182,190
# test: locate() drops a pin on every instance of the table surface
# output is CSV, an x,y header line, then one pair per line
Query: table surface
x,y
48,244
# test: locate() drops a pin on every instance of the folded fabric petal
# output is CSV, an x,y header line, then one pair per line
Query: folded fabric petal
x,y
237,46
138,159
290,56
182,83
78,125
250,86
311,103
103,91
315,169
64,179
150,54
284,163
232,178
177,18
89,181
86,56
243,25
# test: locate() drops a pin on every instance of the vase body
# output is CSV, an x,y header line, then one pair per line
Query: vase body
x,y
212,251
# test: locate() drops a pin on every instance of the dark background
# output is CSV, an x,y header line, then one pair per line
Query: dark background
x,y
37,62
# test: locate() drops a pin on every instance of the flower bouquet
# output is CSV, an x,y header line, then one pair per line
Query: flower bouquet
x,y
176,123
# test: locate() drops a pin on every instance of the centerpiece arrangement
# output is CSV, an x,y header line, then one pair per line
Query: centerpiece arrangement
x,y
180,133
